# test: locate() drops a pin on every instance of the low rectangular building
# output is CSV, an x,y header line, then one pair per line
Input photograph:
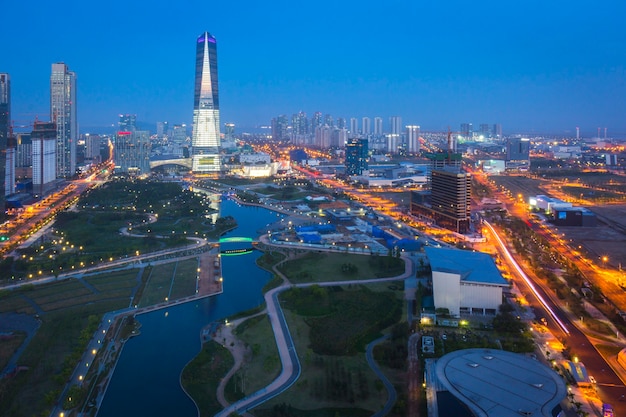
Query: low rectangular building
x,y
465,282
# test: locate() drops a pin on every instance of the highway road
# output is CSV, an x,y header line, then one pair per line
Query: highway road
x,y
609,385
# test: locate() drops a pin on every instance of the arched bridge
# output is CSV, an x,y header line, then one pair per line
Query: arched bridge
x,y
236,239
185,162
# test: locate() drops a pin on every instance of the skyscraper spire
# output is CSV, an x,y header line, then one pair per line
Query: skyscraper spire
x,y
205,138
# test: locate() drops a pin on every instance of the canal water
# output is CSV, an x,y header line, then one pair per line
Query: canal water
x,y
146,379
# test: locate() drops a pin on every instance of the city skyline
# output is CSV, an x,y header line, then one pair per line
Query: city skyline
x,y
536,67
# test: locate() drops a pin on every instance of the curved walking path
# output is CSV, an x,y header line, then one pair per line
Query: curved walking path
x,y
286,348
392,395
225,335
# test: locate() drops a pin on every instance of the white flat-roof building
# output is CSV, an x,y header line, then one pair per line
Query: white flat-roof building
x,y
465,282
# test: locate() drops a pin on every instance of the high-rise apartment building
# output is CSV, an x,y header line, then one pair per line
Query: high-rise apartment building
x,y
485,130
366,126
92,148
328,120
413,139
316,121
354,126
395,123
378,126
392,142
341,123
300,124
132,152
497,130
44,146
63,114
5,123
467,130
323,136
339,138
279,128
356,156
205,138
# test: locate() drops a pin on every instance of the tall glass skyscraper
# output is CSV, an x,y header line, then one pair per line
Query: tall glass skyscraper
x,y
205,138
5,122
63,113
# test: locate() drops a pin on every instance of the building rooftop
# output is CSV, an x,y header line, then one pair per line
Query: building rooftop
x,y
472,266
496,383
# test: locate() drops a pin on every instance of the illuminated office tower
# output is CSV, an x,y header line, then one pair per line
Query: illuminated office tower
x,y
451,198
205,138
161,129
366,126
179,134
378,126
396,125
413,139
356,156
44,146
63,113
132,152
5,122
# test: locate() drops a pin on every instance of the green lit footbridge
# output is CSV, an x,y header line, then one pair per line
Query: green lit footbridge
x,y
236,239
238,251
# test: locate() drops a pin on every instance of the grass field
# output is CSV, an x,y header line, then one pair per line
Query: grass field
x,y
8,346
158,286
309,392
321,267
170,281
185,279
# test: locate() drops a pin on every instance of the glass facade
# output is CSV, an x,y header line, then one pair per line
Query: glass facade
x,y
132,152
5,121
205,138
63,113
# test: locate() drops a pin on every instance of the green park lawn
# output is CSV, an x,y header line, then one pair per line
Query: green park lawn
x,y
328,266
330,328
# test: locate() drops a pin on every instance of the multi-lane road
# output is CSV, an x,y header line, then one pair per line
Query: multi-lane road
x,y
566,328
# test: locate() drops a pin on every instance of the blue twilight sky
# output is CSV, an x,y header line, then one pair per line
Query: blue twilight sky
x,y
543,66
